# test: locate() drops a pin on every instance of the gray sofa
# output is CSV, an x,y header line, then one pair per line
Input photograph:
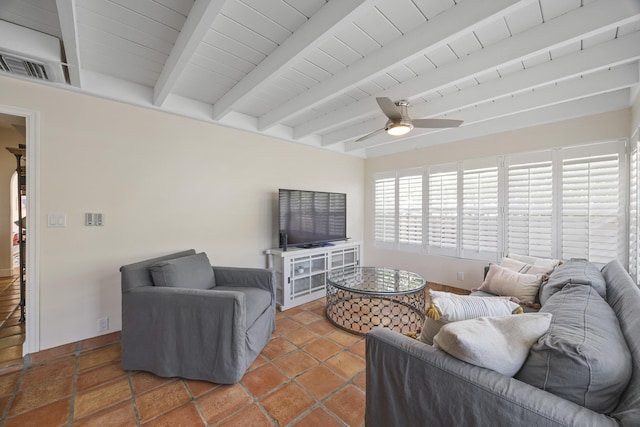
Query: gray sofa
x,y
181,317
410,383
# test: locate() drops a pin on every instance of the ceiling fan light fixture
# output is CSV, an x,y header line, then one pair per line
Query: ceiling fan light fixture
x,y
399,123
399,129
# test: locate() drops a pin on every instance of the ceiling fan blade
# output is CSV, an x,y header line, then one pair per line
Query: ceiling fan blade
x,y
369,135
390,109
436,123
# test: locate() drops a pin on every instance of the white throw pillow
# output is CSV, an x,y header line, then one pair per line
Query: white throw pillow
x,y
536,265
447,307
515,265
498,343
503,281
452,308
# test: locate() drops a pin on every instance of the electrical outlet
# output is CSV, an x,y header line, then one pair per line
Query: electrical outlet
x,y
461,275
103,324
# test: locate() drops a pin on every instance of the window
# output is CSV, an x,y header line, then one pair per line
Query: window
x,y
591,208
529,207
634,211
480,212
443,211
410,209
399,209
385,208
560,203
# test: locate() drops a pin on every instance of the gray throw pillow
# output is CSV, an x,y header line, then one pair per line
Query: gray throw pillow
x,y
193,271
583,357
576,271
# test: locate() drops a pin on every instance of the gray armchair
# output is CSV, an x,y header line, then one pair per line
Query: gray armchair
x,y
181,317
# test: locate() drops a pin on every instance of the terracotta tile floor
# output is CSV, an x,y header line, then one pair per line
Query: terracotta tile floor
x,y
309,374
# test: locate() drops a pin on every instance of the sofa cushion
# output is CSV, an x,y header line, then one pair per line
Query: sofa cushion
x,y
447,307
193,272
623,295
503,281
497,343
257,300
575,271
583,357
137,274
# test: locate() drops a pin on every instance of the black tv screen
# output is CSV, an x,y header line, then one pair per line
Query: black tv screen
x,y
309,218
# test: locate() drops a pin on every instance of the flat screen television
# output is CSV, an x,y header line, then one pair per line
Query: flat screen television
x,y
311,218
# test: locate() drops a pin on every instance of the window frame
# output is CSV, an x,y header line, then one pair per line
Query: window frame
x,y
433,247
389,244
407,246
473,166
574,155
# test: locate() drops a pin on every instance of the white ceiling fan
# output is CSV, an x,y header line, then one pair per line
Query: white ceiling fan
x,y
400,123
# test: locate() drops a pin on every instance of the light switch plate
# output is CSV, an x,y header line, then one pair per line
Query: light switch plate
x,y
56,220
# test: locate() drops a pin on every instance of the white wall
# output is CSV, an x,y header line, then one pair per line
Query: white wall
x,y
603,127
164,183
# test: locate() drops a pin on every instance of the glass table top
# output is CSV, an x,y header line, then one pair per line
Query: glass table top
x,y
375,280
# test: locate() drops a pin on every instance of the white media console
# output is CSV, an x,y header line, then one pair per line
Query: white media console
x,y
301,274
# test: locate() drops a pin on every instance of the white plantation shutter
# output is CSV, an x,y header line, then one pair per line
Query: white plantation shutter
x,y
480,213
634,187
591,219
530,208
443,211
410,209
560,203
385,208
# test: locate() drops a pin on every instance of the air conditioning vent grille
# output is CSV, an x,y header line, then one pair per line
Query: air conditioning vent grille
x,y
15,65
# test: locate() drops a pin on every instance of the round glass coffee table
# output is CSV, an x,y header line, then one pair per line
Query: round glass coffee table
x,y
362,298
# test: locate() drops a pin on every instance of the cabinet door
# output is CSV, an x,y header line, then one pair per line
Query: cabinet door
x,y
300,286
350,257
344,257
337,259
318,263
300,266
318,281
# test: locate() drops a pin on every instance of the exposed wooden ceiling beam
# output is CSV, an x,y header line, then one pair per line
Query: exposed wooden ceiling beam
x,y
608,54
322,25
573,26
443,28
68,27
200,19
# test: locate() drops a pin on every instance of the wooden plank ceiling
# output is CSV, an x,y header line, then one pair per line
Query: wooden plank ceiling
x,y
309,71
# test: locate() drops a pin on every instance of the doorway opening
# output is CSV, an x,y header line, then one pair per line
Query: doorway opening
x,y
19,227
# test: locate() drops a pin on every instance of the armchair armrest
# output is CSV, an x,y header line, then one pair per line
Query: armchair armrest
x,y
162,327
409,381
252,277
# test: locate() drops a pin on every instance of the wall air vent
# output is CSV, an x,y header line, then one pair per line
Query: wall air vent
x,y
14,65
28,53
